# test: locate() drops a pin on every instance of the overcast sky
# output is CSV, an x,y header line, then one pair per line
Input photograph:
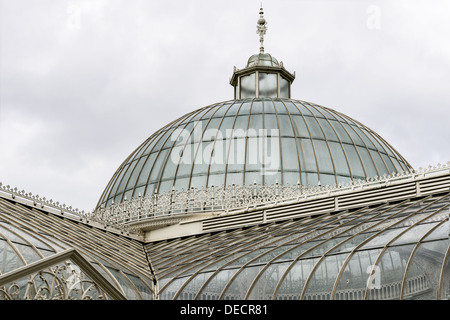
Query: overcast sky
x,y
83,83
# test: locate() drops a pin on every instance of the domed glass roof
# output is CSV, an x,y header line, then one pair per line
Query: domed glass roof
x,y
262,59
262,140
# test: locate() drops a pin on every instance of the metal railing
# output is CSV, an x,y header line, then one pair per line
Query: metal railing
x,y
226,199
207,200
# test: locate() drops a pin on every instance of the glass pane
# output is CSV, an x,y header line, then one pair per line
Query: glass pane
x,y
328,130
157,168
184,170
265,285
236,154
355,137
364,137
248,86
221,110
328,179
290,156
270,122
216,180
244,109
313,109
203,158
165,186
150,189
182,184
253,157
240,284
268,106
389,163
116,185
271,152
240,126
311,179
285,126
234,178
323,158
284,88
171,165
389,271
295,280
219,156
444,285
191,289
314,128
253,177
10,260
272,177
210,132
291,178
135,173
303,109
300,127
268,85
224,130
343,135
122,184
307,157
355,163
340,162
292,108
257,107
321,282
424,282
378,162
355,275
280,107
369,166
255,125
198,181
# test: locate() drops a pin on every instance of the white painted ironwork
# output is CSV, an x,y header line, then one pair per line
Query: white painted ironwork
x,y
261,28
217,200
226,199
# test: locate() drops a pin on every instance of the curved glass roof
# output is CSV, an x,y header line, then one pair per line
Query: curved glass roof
x,y
388,252
258,140
29,236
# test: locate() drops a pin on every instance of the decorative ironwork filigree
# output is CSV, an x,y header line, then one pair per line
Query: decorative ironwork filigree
x,y
212,199
61,282
234,197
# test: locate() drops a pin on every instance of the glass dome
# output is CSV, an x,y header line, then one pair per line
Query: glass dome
x,y
262,59
258,140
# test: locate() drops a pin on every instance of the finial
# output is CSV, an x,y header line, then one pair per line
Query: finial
x,y
261,28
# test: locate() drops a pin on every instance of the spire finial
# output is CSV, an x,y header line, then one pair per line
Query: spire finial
x,y
261,28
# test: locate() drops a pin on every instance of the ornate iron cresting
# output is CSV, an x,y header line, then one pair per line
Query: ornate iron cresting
x,y
217,200
41,202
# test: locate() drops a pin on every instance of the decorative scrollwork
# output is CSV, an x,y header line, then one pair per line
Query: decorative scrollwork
x,y
62,282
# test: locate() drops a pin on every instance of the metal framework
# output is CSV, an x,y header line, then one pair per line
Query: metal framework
x,y
175,206
30,236
66,284
261,262
344,216
391,242
348,150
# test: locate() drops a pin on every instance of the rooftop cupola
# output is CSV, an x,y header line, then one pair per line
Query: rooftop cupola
x,y
263,75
